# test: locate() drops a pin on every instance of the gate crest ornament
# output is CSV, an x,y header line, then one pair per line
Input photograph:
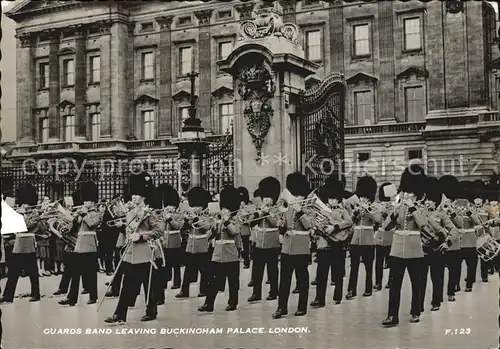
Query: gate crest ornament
x,y
268,22
256,87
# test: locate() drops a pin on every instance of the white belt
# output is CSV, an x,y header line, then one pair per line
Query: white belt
x,y
25,235
296,232
357,227
204,236
172,232
465,231
224,242
86,233
270,230
406,232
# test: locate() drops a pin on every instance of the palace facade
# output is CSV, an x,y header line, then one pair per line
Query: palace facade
x,y
100,80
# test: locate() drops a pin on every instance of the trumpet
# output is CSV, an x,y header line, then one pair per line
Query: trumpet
x,y
269,211
116,222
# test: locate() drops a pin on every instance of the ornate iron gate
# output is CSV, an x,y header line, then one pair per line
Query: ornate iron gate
x,y
219,163
322,129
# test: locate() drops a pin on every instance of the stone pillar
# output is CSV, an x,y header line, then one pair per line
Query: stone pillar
x,y
165,90
54,89
435,55
336,31
105,84
476,59
118,71
205,69
131,131
387,69
25,91
81,121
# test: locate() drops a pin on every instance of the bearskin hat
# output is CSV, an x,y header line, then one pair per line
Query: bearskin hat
x,y
366,188
153,198
323,193
245,196
297,184
89,192
433,190
334,189
449,186
479,188
137,185
256,193
466,190
230,198
381,194
336,177
270,187
198,197
413,180
169,195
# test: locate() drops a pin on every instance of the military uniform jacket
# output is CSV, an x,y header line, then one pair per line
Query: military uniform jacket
x,y
143,250
341,218
197,241
172,236
25,242
364,234
467,226
384,237
296,240
442,224
226,243
86,241
266,234
406,243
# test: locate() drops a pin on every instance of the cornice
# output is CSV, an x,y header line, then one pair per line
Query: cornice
x,y
204,16
165,22
16,16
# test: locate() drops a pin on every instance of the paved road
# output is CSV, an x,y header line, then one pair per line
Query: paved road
x,y
352,324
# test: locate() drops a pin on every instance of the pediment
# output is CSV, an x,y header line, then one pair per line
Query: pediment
x,y
23,8
145,98
358,77
419,73
66,107
65,103
221,91
182,95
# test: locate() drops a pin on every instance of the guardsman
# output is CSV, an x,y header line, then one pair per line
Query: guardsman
x,y
365,217
406,250
116,283
295,251
197,257
331,252
225,260
23,257
141,229
69,260
172,240
444,233
383,241
245,229
266,239
85,266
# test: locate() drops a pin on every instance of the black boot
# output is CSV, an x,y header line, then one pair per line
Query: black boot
x,y
350,295
231,307
254,298
182,295
278,314
114,320
148,318
391,321
414,319
67,302
317,304
205,308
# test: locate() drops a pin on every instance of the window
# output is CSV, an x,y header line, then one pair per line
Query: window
x,y
414,154
69,128
184,113
43,78
148,26
148,118
95,69
226,113
412,34
363,108
96,126
147,66
225,49
69,72
415,104
361,40
224,14
364,156
313,45
44,130
185,60
184,21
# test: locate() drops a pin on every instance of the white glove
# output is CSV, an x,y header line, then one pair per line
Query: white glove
x,y
135,237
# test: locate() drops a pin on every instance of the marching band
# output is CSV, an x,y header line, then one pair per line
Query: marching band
x,y
427,224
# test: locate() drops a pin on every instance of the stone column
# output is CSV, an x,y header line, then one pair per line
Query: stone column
x,y
105,84
387,68
25,82
118,88
131,131
205,69
434,48
165,108
54,88
336,31
81,121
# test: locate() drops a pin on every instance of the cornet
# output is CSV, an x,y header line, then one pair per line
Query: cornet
x,y
117,222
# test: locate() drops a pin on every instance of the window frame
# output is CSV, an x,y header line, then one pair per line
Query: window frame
x,y
92,80
406,100
180,19
355,55
66,73
231,15
92,124
219,47
321,43
143,55
180,73
42,121
405,49
73,127
145,123
46,76
221,117
355,105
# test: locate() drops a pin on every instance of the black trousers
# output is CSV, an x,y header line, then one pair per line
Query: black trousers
x,y
196,262
262,258
159,280
116,283
485,267
367,254
108,254
245,253
136,275
69,265
173,257
289,264
469,255
221,271
435,262
334,259
381,257
18,263
85,267
453,259
398,267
